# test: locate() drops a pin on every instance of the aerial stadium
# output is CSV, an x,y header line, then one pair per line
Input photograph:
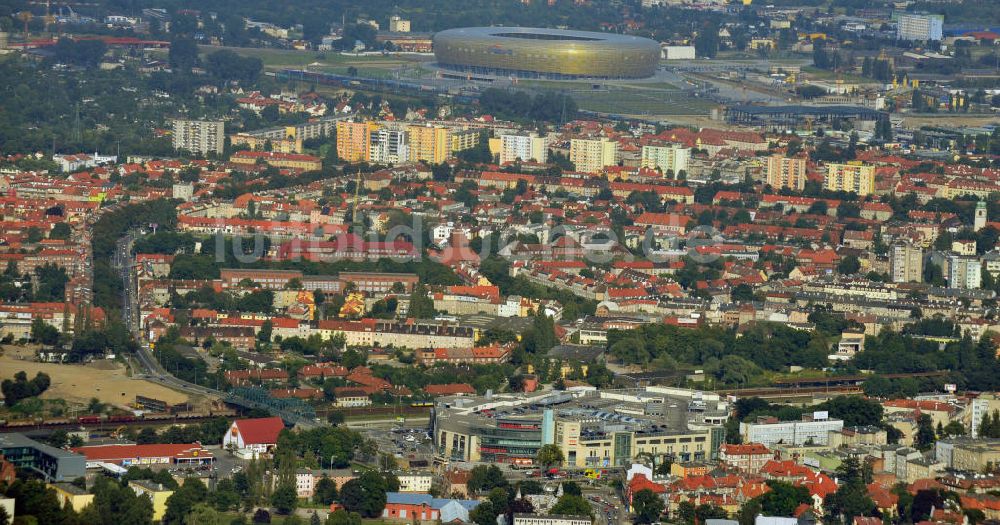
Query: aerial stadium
x,y
527,52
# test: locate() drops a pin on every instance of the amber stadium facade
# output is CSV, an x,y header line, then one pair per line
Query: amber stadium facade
x,y
526,52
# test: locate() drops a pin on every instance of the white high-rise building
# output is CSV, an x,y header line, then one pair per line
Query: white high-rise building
x,y
199,136
523,147
920,27
389,146
964,272
666,157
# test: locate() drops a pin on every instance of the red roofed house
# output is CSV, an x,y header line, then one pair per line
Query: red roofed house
x,y
449,389
253,436
641,482
750,457
663,222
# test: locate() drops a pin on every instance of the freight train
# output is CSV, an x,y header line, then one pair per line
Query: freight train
x,y
116,419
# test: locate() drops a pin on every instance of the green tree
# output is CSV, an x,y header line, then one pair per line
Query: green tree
x,y
60,231
549,455
926,436
849,265
365,494
115,504
266,330
228,66
647,506
485,478
741,293
572,505
851,498
180,503
183,54
284,498
21,388
706,43
326,491
342,517
421,306
205,514
783,498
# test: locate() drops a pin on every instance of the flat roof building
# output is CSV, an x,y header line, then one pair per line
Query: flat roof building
x,y
593,428
808,431
51,463
152,454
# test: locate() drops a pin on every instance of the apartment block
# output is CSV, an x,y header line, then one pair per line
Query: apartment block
x,y
786,172
853,176
920,27
389,146
354,140
906,263
522,147
964,272
592,155
463,139
668,158
199,136
430,144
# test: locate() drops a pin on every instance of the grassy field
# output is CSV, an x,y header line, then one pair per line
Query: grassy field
x,y
290,58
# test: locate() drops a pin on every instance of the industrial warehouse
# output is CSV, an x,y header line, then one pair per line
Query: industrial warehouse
x,y
526,52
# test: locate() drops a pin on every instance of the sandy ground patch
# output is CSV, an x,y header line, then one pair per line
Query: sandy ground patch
x,y
105,380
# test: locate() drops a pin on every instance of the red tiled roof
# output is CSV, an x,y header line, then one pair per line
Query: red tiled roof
x,y
260,431
640,482
740,450
113,453
449,389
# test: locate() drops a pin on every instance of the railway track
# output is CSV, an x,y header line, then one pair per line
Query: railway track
x,y
775,392
111,423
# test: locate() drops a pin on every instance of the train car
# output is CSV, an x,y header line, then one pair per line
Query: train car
x,y
157,417
422,404
121,419
88,420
